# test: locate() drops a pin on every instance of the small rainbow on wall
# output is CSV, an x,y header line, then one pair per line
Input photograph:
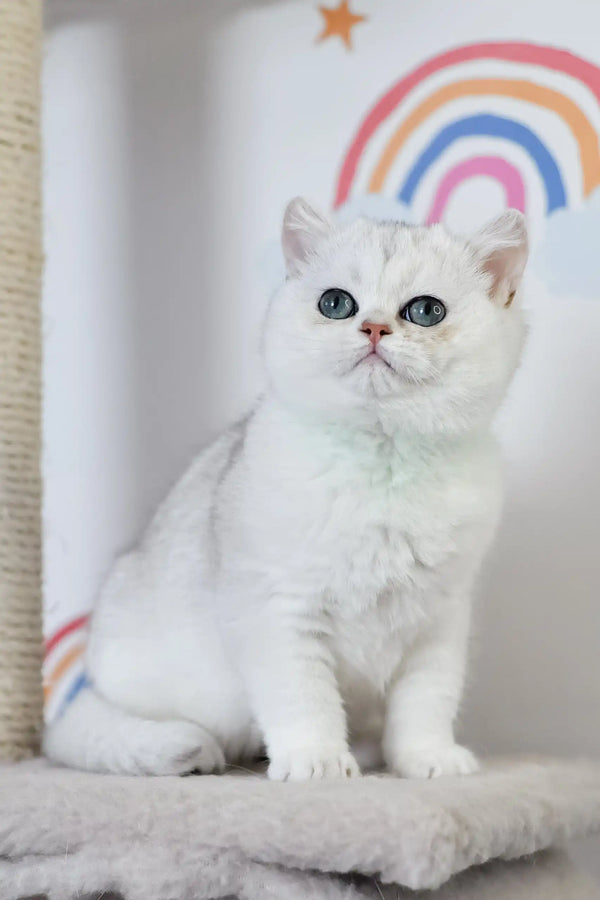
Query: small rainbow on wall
x,y
63,669
374,134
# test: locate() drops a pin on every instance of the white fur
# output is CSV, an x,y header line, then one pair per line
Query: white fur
x,y
309,579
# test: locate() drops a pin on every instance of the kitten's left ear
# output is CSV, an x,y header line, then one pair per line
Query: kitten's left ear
x,y
303,230
502,247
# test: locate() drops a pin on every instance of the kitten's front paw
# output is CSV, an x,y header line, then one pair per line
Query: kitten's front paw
x,y
306,763
433,760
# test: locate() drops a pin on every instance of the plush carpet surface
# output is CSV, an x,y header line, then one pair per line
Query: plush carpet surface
x,y
66,834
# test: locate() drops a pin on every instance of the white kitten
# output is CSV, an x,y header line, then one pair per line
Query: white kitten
x,y
308,580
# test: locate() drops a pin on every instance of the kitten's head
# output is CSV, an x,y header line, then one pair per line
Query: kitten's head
x,y
410,326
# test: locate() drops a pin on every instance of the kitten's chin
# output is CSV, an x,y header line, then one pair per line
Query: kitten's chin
x,y
374,377
382,376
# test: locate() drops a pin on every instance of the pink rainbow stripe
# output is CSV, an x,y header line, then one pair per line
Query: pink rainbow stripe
x,y
508,51
492,166
57,637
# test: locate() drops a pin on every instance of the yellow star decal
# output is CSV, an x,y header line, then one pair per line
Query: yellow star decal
x,y
339,21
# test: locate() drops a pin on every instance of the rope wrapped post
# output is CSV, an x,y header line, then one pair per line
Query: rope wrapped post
x,y
20,340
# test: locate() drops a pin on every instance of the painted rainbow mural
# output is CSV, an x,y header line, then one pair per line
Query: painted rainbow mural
x,y
455,93
63,669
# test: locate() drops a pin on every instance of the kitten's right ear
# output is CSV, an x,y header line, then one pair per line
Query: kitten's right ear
x,y
303,230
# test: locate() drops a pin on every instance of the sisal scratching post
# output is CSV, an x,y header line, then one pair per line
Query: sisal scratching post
x,y
20,268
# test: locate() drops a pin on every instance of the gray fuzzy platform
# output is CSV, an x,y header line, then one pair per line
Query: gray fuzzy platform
x,y
66,833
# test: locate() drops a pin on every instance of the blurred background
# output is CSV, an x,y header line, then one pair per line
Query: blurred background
x,y
175,132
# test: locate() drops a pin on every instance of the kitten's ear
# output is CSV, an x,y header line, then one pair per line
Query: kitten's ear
x,y
303,229
502,248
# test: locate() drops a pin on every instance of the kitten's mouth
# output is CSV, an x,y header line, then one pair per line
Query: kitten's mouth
x,y
404,370
372,358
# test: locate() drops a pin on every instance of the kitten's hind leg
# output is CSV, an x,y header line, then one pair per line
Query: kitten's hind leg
x,y
95,735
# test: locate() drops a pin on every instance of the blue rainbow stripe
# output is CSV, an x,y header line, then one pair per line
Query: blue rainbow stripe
x,y
491,126
81,683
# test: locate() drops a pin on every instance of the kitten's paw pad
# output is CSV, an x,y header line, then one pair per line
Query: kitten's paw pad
x,y
302,765
432,761
187,748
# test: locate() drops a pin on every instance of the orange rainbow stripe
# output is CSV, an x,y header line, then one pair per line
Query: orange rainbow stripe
x,y
583,131
62,666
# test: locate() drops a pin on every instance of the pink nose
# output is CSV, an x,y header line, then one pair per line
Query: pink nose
x,y
375,332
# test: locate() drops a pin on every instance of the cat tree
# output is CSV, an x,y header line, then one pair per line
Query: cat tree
x,y
213,836
20,268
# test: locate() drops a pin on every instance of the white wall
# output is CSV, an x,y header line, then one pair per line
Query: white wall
x,y
173,138
89,405
140,347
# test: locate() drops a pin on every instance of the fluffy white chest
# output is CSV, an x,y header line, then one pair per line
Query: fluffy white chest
x,y
387,535
395,542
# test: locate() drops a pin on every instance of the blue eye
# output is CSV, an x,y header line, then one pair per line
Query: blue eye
x,y
425,311
337,304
